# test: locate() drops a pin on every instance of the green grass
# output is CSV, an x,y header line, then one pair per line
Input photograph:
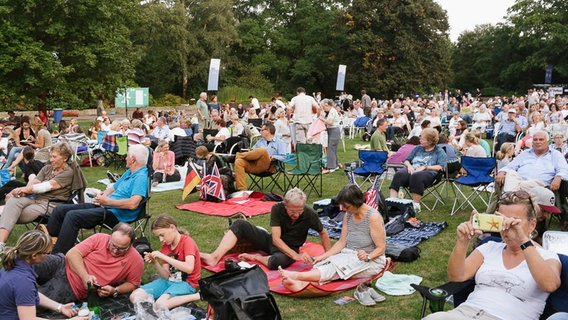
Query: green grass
x,y
208,231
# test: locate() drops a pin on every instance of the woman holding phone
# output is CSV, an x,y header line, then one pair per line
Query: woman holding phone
x,y
516,273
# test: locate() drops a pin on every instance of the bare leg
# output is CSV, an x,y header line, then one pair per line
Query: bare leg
x,y
393,193
416,198
227,243
295,281
254,257
166,302
138,295
4,234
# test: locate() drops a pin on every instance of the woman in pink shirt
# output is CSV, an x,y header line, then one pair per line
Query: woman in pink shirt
x,y
164,164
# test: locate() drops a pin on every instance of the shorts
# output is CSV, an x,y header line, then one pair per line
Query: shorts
x,y
159,287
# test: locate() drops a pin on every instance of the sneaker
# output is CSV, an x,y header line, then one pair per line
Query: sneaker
x,y
416,207
2,247
377,297
363,296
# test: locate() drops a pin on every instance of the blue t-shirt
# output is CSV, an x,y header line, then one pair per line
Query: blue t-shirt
x,y
130,184
419,157
17,288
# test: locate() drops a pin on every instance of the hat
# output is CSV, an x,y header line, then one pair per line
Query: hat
x,y
544,198
457,112
428,111
512,110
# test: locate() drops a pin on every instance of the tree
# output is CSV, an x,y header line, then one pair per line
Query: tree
x,y
66,51
396,46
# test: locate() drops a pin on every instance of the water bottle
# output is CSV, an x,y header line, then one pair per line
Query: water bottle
x,y
401,193
93,303
84,310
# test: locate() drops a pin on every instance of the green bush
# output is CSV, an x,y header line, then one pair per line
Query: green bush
x,y
240,94
168,100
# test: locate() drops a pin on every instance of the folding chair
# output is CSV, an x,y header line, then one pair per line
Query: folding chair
x,y
257,180
120,155
478,177
308,168
79,144
373,165
140,223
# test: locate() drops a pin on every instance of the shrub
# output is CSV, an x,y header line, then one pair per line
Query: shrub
x,y
168,100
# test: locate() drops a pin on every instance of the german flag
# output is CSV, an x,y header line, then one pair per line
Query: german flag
x,y
191,180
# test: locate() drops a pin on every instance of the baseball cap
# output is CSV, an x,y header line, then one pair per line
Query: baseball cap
x,y
512,110
544,198
428,111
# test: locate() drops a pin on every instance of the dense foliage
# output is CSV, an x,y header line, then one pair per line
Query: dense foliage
x,y
59,53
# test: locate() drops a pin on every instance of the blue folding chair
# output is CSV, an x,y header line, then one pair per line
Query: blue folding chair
x,y
478,178
373,165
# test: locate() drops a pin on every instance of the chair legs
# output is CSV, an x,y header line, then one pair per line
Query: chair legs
x,y
476,193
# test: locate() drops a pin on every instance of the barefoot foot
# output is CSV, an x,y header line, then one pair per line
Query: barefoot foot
x,y
208,259
248,257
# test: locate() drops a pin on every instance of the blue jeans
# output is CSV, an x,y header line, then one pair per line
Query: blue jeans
x,y
14,152
67,219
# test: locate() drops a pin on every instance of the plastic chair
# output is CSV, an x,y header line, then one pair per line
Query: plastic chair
x,y
308,168
479,176
373,165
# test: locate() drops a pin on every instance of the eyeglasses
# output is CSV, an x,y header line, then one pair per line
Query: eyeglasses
x,y
294,210
263,129
513,197
112,246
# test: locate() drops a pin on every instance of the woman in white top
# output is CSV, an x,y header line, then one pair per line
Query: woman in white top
x,y
283,128
237,128
472,148
221,135
514,277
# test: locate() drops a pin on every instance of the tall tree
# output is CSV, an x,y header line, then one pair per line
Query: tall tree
x,y
65,50
398,46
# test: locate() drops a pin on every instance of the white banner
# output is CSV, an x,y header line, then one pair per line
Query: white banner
x,y
340,86
213,83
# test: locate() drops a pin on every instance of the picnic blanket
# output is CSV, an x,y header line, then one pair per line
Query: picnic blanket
x,y
310,290
248,206
409,237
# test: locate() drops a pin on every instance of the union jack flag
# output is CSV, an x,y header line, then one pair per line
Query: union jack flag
x,y
212,184
371,194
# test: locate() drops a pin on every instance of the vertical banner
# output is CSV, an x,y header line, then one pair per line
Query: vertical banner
x,y
213,83
340,86
548,75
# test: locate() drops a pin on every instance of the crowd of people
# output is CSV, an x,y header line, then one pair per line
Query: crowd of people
x,y
438,131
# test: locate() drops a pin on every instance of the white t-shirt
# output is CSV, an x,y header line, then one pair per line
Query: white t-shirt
x,y
302,105
507,294
255,103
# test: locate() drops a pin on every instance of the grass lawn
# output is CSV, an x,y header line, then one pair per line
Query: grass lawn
x,y
208,231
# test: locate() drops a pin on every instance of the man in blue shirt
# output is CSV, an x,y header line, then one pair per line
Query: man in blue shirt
x,y
259,159
509,128
121,199
540,166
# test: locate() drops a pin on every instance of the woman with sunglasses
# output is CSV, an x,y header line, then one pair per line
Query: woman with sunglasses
x,y
19,295
514,277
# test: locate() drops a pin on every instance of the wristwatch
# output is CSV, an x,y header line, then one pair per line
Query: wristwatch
x,y
368,258
115,293
526,245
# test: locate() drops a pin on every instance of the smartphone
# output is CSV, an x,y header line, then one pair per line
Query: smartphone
x,y
487,222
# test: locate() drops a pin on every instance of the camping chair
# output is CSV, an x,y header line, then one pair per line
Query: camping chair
x,y
373,165
273,174
79,185
141,221
308,168
478,177
120,156
183,148
79,144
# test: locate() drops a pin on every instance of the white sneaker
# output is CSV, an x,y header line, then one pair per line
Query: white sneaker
x,y
2,247
416,207
363,296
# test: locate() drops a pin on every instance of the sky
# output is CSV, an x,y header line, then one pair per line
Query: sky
x,y
466,14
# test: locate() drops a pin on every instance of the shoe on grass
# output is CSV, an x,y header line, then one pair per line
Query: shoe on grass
x,y
416,207
363,296
377,297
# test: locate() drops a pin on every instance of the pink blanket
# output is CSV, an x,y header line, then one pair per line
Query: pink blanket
x,y
310,290
248,206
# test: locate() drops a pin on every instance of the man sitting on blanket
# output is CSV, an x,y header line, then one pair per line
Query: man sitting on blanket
x,y
290,221
260,158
